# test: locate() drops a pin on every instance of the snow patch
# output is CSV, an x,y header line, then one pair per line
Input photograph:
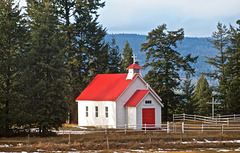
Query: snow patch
x,y
223,150
40,150
138,150
5,145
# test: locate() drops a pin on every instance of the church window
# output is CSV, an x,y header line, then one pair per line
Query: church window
x,y
106,112
96,111
86,111
148,102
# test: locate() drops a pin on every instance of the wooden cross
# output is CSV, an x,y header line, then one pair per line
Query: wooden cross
x,y
147,86
134,58
213,103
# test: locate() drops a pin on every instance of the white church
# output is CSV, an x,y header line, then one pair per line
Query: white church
x,y
119,101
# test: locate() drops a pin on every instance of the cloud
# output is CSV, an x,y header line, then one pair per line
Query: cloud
x,y
143,15
197,17
195,8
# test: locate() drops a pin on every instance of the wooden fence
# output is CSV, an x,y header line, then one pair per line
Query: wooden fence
x,y
219,119
169,127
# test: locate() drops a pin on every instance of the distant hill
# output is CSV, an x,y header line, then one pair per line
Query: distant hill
x,y
190,45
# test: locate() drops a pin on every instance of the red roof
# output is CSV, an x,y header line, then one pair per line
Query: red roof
x,y
105,87
136,98
134,66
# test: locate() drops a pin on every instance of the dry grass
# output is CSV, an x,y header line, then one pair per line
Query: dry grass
x,y
118,141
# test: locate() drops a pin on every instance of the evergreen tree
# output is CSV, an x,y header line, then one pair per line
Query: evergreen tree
x,y
89,55
90,36
114,61
165,63
127,57
186,105
220,42
233,71
12,40
202,95
45,77
66,7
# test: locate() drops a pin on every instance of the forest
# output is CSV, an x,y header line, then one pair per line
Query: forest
x,y
51,50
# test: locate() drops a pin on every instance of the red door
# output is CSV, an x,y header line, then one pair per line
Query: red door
x,y
148,117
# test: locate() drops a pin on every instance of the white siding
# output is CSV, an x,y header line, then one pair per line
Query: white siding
x,y
101,120
132,117
121,119
155,105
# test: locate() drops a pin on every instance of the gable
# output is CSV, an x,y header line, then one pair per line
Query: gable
x,y
136,98
105,87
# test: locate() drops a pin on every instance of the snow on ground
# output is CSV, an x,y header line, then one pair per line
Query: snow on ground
x,y
208,141
223,150
71,132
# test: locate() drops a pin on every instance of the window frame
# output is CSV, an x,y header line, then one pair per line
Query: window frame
x,y
96,111
106,112
148,102
87,110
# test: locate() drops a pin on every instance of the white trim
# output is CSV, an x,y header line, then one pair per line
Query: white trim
x,y
127,87
149,92
154,93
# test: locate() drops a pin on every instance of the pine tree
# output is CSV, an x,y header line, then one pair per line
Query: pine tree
x,y
220,42
127,57
233,71
165,63
66,7
202,95
12,40
114,61
89,55
91,35
186,106
46,76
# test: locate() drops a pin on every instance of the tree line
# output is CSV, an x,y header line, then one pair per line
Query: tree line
x,y
226,63
51,51
48,55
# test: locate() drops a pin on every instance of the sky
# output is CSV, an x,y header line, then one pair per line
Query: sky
x,y
198,18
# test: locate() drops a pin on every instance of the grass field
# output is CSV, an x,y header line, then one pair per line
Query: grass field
x,y
121,142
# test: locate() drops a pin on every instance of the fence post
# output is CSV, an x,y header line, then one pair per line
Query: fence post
x,y
105,129
168,130
194,117
28,143
63,129
202,128
222,128
145,128
174,127
182,127
125,128
69,140
150,138
183,116
173,117
107,140
234,117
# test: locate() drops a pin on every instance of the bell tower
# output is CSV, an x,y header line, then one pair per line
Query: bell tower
x,y
133,69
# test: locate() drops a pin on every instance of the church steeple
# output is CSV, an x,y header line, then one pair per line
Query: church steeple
x,y
133,69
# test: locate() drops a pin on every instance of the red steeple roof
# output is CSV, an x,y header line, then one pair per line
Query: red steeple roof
x,y
136,98
105,87
134,66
